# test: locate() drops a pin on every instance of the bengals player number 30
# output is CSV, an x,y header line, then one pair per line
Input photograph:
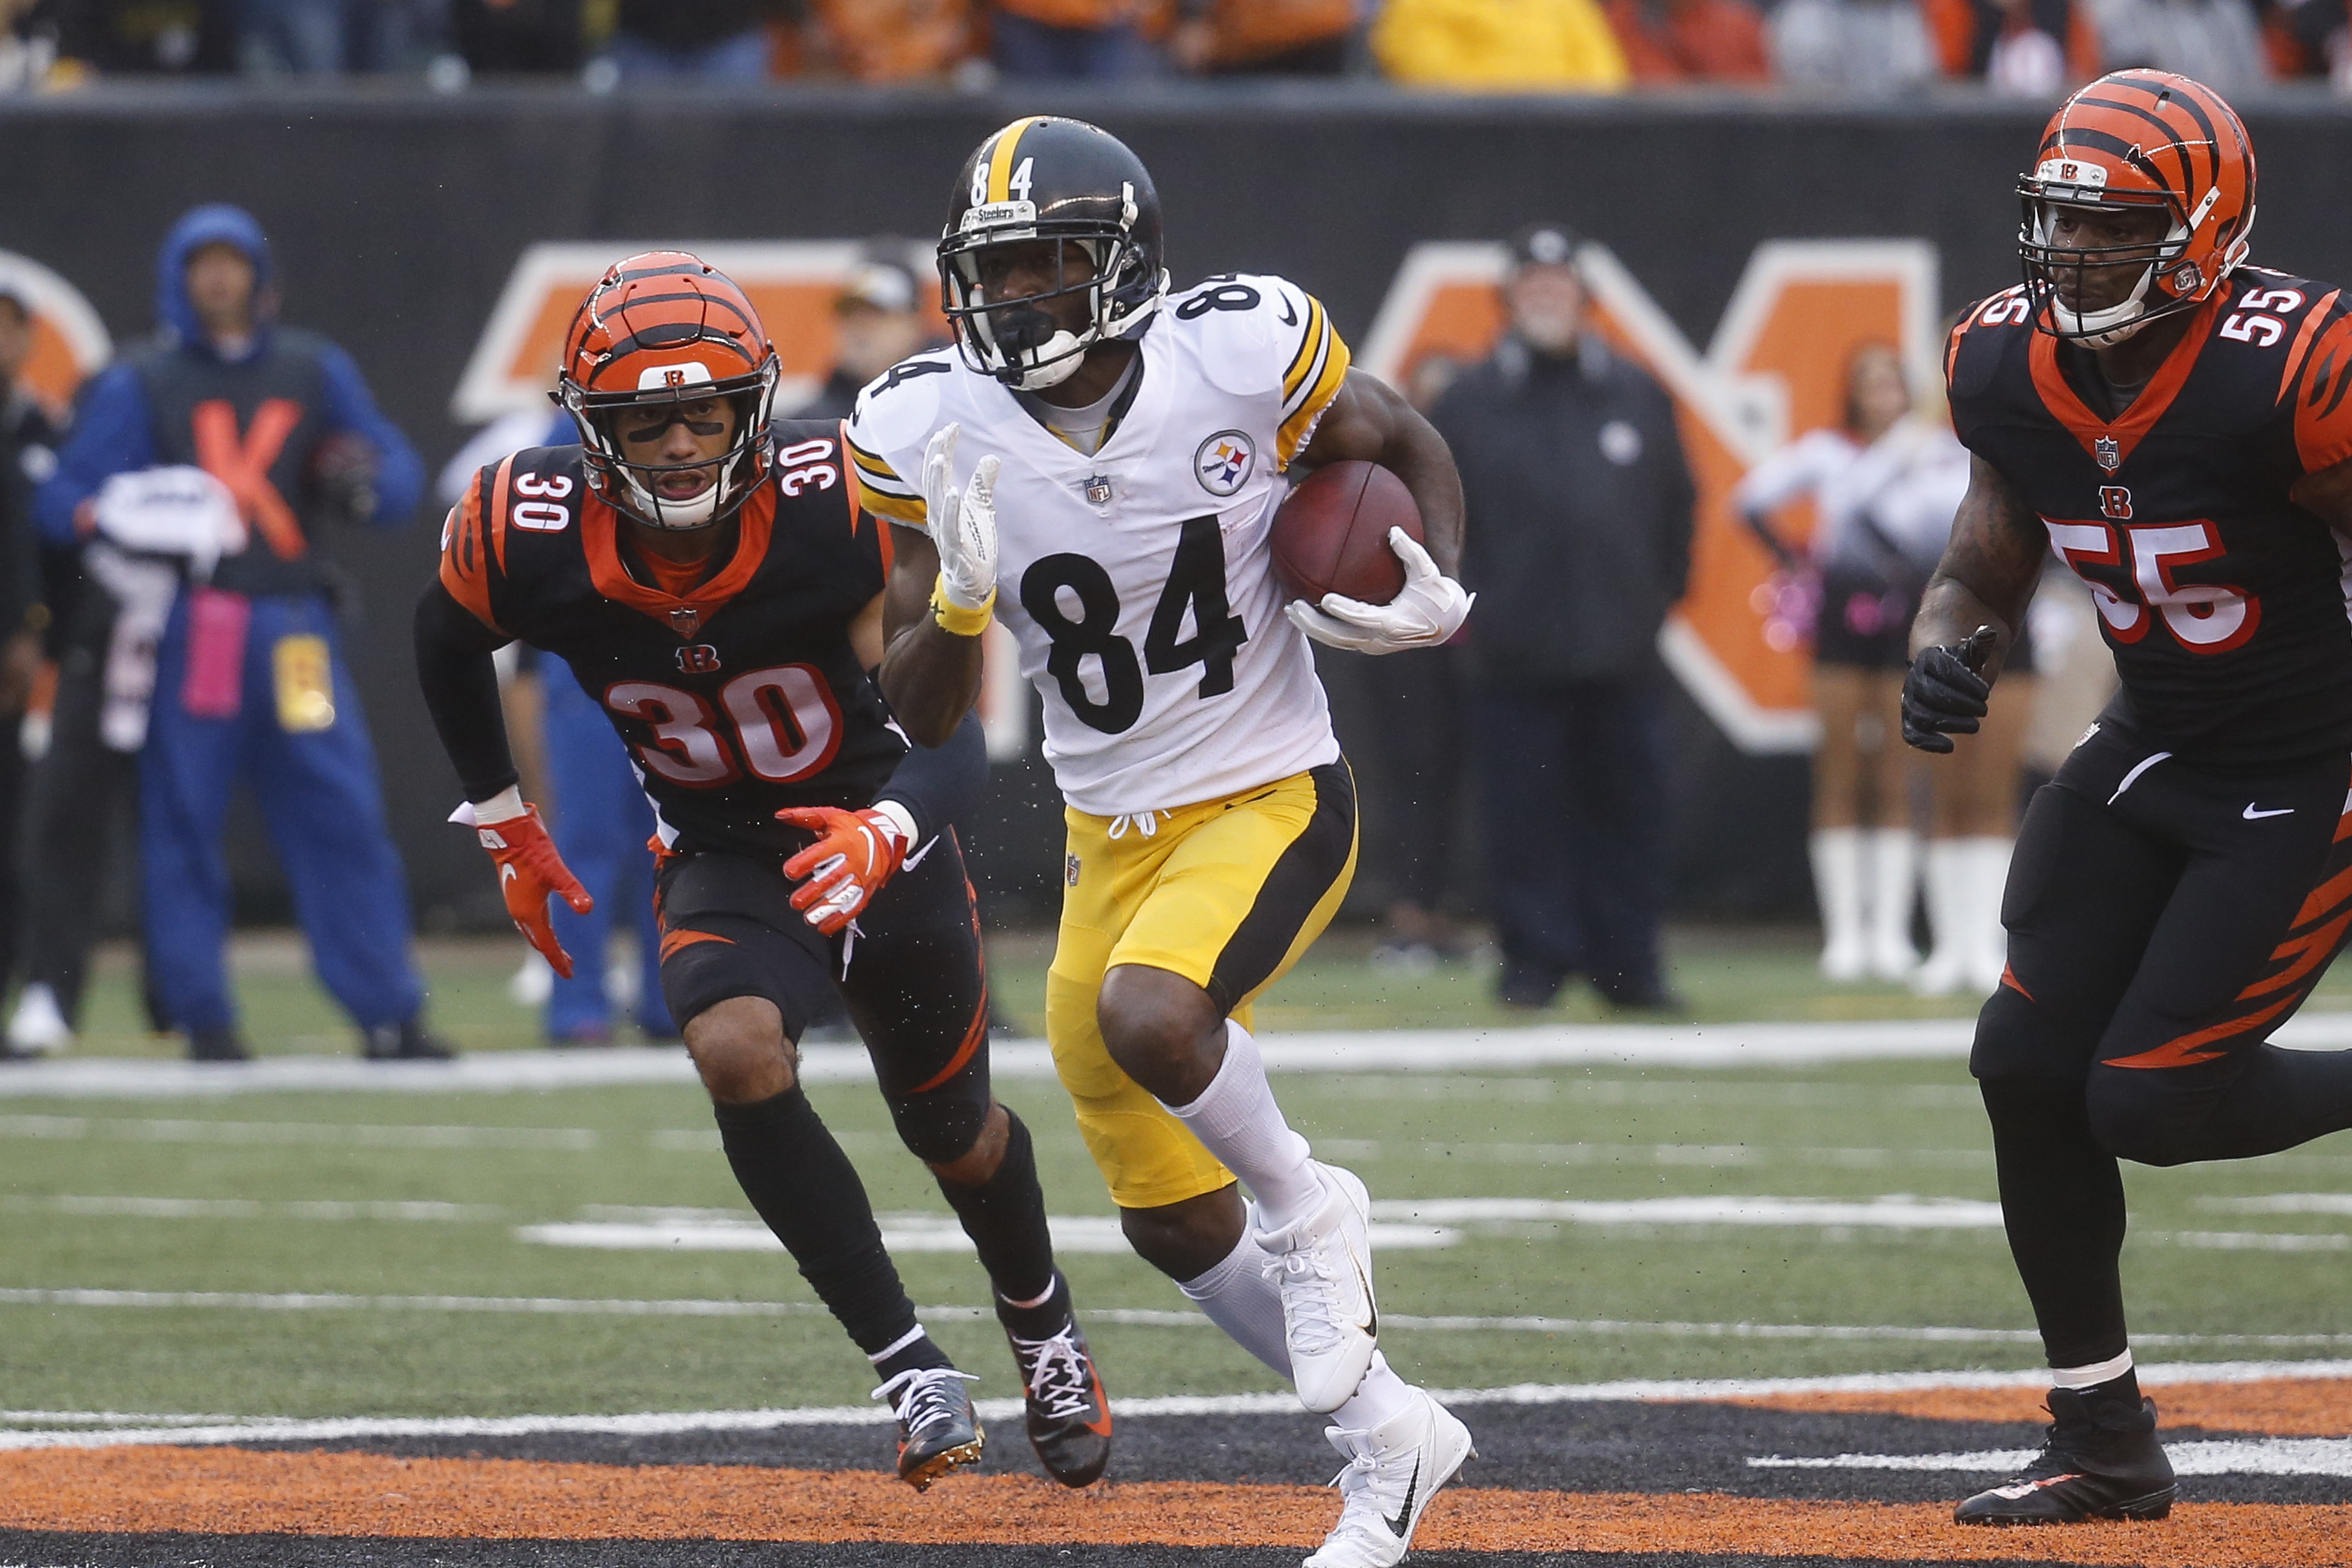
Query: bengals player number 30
x,y
714,585
2176,425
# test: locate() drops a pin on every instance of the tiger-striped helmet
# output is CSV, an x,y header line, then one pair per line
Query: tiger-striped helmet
x,y
2137,141
665,327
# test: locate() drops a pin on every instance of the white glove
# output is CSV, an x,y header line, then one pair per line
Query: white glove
x,y
178,510
962,521
1431,608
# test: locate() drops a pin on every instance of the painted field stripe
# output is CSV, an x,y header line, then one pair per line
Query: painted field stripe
x,y
239,1491
1336,1051
1148,1317
1898,1213
202,1429
2229,1457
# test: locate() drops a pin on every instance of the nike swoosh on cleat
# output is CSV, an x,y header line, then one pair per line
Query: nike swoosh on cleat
x,y
2027,1489
2255,815
1402,1525
1372,1323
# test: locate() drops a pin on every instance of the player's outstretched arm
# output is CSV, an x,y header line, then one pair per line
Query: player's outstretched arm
x,y
1369,421
460,679
941,596
930,675
1972,609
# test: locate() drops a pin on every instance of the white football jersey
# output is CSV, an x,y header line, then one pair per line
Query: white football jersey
x,y
1140,581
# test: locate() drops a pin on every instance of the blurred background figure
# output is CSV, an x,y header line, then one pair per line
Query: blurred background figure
x,y
247,679
880,41
690,40
1864,586
1073,40
326,37
2022,48
1579,507
878,321
2219,42
1974,789
28,436
1499,45
1692,40
1264,37
1869,48
518,37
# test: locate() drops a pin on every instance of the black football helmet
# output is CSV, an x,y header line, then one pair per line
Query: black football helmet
x,y
1047,178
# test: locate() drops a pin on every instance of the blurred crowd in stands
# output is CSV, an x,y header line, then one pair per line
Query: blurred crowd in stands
x,y
2036,47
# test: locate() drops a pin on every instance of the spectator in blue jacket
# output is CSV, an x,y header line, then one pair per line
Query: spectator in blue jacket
x,y
225,445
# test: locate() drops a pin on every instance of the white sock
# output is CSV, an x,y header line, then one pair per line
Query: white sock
x,y
1837,886
1238,1297
1380,1395
1951,911
1894,888
1236,1119
2091,1375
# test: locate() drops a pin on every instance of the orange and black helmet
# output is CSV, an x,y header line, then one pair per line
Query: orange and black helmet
x,y
2140,141
665,327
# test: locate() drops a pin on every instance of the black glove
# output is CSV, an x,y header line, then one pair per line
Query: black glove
x,y
1944,695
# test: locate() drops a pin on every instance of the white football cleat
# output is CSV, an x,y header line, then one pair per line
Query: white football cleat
x,y
38,1028
1392,1472
1323,1265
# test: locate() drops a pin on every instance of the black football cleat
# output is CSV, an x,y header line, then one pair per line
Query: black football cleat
x,y
220,1045
409,1042
1068,1413
2098,1460
938,1428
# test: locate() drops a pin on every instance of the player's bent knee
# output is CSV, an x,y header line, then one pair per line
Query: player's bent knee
x,y
740,1048
950,1132
1185,1240
1161,1029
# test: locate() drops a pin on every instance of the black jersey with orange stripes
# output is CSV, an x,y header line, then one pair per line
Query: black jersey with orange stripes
x,y
739,699
2224,600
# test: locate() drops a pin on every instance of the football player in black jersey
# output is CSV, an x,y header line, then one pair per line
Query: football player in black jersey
x,y
2174,424
710,582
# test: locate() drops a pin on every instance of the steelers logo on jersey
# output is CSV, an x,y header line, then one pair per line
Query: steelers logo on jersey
x,y
1223,460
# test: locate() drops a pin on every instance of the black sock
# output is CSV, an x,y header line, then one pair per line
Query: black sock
x,y
1005,1218
2117,1393
915,1353
2062,1198
805,1188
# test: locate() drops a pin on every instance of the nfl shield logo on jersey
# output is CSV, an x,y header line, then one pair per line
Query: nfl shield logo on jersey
x,y
2107,453
1223,462
1098,489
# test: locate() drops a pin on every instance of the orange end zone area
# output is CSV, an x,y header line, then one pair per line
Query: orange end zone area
x,y
2280,1407
237,1491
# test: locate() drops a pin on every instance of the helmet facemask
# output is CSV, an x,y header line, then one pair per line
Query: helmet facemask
x,y
2169,279
634,486
1019,340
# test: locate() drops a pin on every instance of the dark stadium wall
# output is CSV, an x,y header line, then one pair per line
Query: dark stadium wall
x,y
398,222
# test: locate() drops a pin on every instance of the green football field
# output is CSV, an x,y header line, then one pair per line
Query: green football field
x,y
1732,1222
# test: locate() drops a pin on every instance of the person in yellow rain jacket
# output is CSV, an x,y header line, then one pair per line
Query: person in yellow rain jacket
x,y
1497,46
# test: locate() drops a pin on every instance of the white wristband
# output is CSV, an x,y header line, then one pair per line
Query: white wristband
x,y
503,807
900,819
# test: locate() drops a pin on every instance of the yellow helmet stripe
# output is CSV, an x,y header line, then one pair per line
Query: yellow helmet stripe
x,y
999,158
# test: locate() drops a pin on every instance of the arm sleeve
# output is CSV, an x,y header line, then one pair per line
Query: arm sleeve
x,y
2323,399
460,679
111,436
938,784
400,472
1315,365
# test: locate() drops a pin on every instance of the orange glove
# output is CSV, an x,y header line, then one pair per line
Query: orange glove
x,y
529,870
854,855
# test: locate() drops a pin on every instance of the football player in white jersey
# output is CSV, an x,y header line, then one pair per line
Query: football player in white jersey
x,y
1097,463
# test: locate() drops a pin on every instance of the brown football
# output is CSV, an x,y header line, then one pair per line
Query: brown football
x,y
1331,535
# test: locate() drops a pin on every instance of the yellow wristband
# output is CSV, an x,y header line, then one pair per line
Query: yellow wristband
x,y
957,621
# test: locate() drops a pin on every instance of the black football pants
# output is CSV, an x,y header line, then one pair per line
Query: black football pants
x,y
2163,920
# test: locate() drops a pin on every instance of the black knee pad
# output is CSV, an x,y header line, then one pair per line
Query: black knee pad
x,y
939,1126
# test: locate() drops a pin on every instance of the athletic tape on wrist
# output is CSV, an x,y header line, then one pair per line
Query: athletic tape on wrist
x,y
955,619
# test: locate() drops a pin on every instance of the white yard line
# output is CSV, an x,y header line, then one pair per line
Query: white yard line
x,y
2227,1457
1146,1317
178,1429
